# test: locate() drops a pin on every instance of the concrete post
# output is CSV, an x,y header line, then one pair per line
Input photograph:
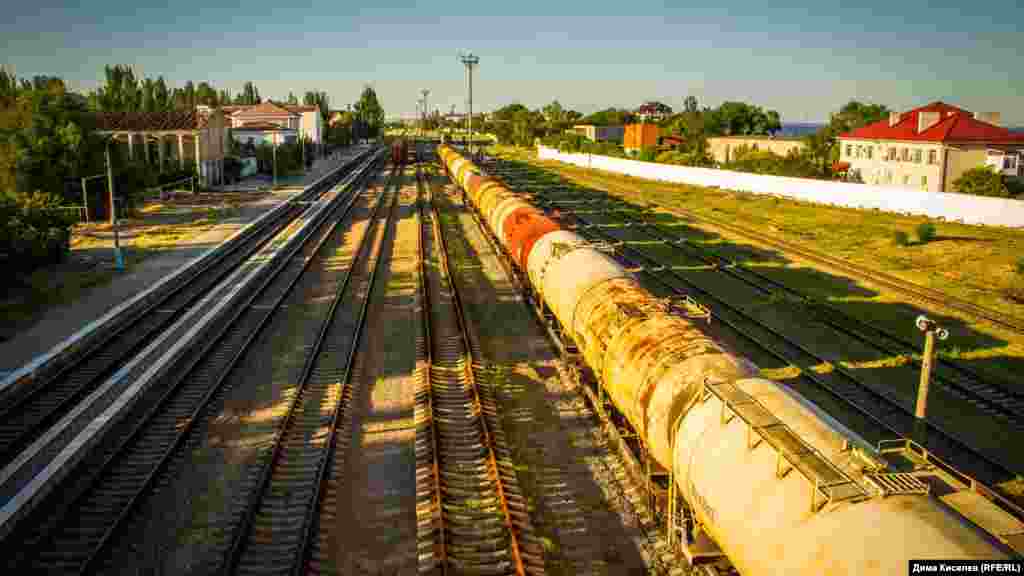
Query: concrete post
x,y
160,151
931,331
926,370
181,151
199,168
131,148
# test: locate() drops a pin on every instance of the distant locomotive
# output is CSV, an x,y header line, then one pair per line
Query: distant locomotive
x,y
400,151
702,413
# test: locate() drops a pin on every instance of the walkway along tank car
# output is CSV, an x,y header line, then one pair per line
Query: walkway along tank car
x,y
731,440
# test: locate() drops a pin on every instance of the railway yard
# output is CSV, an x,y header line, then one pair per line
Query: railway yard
x,y
426,364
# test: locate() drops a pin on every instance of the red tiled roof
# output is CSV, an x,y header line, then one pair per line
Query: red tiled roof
x,y
264,109
300,109
150,121
954,125
261,126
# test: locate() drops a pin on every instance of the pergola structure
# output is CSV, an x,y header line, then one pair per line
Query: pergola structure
x,y
181,136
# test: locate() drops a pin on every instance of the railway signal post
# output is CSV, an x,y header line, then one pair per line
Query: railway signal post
x,y
931,330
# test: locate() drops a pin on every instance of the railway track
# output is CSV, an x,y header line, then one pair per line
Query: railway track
x,y
25,419
878,415
279,526
996,399
915,291
72,532
473,517
619,466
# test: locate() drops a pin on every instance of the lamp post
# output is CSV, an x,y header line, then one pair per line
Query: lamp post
x,y
426,109
931,331
274,147
470,60
118,257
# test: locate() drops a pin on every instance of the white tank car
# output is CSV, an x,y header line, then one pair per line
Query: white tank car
x,y
769,525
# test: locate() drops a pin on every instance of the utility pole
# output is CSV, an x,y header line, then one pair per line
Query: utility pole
x,y
931,331
118,257
426,109
275,161
470,60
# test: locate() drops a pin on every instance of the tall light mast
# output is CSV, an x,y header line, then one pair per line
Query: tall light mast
x,y
470,60
426,109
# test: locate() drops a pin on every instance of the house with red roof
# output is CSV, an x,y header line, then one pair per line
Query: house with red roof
x,y
928,148
269,122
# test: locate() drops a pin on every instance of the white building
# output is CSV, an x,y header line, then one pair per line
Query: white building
x,y
263,122
928,148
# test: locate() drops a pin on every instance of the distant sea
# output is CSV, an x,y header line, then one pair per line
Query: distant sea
x,y
797,129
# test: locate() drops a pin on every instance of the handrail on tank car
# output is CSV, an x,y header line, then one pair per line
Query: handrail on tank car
x,y
903,445
826,479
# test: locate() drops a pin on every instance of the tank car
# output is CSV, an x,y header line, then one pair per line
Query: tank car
x,y
731,439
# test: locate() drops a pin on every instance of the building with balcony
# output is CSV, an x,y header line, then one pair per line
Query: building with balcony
x,y
928,148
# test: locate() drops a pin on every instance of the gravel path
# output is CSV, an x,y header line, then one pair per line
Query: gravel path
x,y
564,462
368,518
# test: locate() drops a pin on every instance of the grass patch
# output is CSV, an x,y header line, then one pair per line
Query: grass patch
x,y
973,263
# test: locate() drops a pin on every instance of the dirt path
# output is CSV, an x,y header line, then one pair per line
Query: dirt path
x,y
564,464
368,520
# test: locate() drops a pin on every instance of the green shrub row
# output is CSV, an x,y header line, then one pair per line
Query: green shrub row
x,y
35,231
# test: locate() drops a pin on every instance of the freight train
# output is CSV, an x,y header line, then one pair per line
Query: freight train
x,y
731,440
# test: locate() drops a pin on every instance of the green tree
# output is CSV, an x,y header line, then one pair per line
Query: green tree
x,y
981,181
320,100
740,118
824,144
292,99
690,104
161,95
369,113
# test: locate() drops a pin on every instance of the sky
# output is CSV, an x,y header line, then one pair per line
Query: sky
x,y
803,59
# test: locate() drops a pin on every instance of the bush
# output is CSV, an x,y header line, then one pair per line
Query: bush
x,y
926,232
1020,265
648,154
900,238
982,181
35,230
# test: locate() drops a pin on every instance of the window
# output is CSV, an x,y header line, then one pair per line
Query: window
x,y
906,179
905,154
917,155
849,150
1009,163
933,156
892,154
924,182
868,151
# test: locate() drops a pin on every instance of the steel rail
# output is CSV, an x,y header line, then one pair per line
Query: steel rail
x,y
243,531
950,447
998,397
424,396
31,413
628,465
141,426
922,293
993,399
492,464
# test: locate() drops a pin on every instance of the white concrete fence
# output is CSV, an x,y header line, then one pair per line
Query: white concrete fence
x,y
945,205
